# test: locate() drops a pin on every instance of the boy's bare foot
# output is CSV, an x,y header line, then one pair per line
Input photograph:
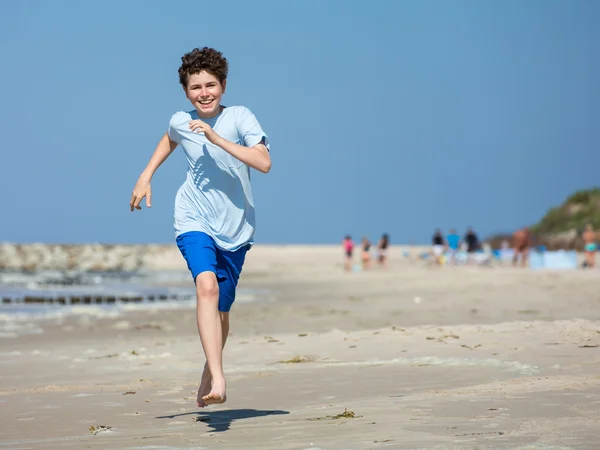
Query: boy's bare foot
x,y
216,395
204,389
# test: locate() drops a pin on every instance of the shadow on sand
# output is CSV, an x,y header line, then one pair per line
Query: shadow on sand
x,y
221,420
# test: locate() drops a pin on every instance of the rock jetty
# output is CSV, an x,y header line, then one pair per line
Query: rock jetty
x,y
89,257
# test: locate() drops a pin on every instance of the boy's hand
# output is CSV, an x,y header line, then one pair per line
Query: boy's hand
x,y
197,126
142,189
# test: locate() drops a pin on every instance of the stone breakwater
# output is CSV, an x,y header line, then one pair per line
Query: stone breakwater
x,y
89,257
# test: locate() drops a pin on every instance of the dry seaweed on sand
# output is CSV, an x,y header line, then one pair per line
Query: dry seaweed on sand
x,y
345,415
112,355
99,429
298,359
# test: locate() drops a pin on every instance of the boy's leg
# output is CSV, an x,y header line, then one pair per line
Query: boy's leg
x,y
211,334
228,269
205,261
206,383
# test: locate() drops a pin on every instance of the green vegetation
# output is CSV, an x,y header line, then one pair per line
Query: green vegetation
x,y
575,213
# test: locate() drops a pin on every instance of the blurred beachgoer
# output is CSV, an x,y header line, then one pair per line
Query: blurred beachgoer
x,y
365,253
214,211
472,241
382,249
437,246
453,242
590,246
348,245
521,245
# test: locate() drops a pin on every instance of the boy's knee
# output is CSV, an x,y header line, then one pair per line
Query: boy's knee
x,y
207,286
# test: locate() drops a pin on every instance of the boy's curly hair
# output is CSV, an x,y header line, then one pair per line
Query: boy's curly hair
x,y
207,59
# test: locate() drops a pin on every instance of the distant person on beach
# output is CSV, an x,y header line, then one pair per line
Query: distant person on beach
x,y
438,245
472,242
453,242
214,209
348,246
365,253
382,249
521,245
589,246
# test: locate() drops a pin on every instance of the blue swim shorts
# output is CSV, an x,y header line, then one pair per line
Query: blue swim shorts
x,y
202,255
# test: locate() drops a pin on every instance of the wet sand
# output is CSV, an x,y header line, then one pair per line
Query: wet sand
x,y
413,356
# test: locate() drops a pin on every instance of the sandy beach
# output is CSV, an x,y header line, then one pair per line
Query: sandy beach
x,y
410,357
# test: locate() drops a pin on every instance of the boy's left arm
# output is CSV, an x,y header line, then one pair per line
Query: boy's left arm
x,y
257,157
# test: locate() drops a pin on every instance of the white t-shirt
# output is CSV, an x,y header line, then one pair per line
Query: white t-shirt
x,y
216,197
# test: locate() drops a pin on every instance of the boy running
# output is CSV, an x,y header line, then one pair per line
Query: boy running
x,y
214,209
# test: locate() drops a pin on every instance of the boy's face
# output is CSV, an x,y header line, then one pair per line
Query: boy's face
x,y
204,91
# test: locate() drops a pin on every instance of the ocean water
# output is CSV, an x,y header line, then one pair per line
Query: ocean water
x,y
29,301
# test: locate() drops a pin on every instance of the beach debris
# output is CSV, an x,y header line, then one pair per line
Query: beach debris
x,y
148,326
485,433
345,415
471,348
134,353
303,334
99,429
381,442
528,311
272,340
112,355
449,336
298,359
129,393
589,346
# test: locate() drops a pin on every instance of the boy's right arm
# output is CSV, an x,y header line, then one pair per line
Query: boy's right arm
x,y
142,188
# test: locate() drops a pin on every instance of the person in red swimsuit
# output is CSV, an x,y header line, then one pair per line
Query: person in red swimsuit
x,y
348,246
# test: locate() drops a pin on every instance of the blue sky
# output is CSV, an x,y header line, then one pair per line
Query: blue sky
x,y
384,116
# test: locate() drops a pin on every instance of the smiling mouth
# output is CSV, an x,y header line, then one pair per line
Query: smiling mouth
x,y
206,102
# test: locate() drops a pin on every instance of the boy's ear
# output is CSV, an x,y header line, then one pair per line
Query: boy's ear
x,y
224,85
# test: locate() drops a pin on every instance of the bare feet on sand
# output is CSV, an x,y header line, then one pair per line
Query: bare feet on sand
x,y
209,394
204,389
217,393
